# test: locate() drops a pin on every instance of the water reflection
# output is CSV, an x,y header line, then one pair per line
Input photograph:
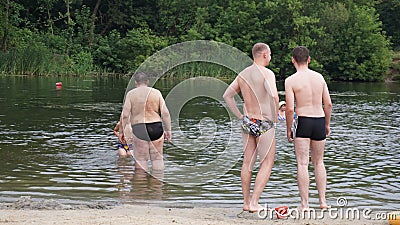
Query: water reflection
x,y
136,185
63,147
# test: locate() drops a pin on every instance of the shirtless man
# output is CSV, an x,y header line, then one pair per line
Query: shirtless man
x,y
314,108
258,88
142,124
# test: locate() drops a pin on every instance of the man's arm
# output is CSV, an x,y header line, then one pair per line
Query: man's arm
x,y
326,100
116,128
166,118
289,112
126,121
274,93
119,132
229,97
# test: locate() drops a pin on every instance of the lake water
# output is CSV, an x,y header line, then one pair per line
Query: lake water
x,y
59,144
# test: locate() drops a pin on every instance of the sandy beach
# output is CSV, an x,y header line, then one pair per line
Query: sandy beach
x,y
50,212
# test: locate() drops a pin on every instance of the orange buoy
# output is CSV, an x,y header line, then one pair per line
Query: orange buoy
x,y
58,85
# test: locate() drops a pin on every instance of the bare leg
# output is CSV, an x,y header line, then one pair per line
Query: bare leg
x,y
302,149
156,154
317,157
138,188
266,148
158,174
249,143
141,154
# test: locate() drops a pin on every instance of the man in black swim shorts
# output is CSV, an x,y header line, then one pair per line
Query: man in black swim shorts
x,y
314,108
142,116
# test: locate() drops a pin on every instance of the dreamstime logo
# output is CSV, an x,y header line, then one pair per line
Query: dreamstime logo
x,y
339,212
197,51
341,202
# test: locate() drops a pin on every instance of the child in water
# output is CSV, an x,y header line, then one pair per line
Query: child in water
x,y
123,149
282,117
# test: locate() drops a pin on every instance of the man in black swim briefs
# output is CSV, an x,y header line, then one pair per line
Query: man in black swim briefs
x,y
258,88
143,112
311,127
148,131
314,108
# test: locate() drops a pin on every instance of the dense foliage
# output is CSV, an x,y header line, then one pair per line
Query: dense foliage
x,y
347,38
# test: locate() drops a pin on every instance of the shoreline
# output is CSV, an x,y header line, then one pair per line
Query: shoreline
x,y
26,211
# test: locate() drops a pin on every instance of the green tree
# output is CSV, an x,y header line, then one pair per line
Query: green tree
x,y
9,23
240,24
356,47
127,53
290,25
389,13
177,17
201,29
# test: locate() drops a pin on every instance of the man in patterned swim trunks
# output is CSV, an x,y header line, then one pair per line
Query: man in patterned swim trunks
x,y
258,88
256,127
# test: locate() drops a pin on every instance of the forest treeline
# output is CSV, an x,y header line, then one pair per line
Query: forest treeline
x,y
353,40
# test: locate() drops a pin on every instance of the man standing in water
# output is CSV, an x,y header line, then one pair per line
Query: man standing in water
x,y
142,124
258,88
309,90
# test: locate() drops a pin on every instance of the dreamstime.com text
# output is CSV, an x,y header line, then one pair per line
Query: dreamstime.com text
x,y
340,212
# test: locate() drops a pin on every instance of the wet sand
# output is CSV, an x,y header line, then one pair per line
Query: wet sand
x,y
26,211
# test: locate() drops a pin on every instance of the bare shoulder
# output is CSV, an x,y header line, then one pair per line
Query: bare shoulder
x,y
156,92
289,80
131,92
244,72
240,77
318,76
269,72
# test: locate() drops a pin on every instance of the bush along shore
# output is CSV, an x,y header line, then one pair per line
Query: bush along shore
x,y
349,41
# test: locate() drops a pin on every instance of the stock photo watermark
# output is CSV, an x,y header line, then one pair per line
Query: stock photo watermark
x,y
338,212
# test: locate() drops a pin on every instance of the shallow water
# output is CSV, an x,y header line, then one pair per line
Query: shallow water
x,y
59,144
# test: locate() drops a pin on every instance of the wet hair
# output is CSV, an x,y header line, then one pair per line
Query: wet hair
x,y
258,49
301,54
141,78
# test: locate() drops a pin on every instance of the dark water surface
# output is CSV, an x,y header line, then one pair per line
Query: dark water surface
x,y
59,144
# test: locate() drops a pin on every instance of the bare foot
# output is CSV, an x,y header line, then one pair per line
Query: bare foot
x,y
325,206
255,208
246,207
303,208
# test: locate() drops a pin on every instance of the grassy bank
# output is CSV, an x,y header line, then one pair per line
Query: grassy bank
x,y
37,61
41,62
196,69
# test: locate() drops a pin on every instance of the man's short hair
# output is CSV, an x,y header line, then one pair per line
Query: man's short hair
x,y
258,49
301,54
141,78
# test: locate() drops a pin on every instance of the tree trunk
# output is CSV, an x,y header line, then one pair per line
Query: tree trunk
x,y
5,31
92,26
69,33
50,21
